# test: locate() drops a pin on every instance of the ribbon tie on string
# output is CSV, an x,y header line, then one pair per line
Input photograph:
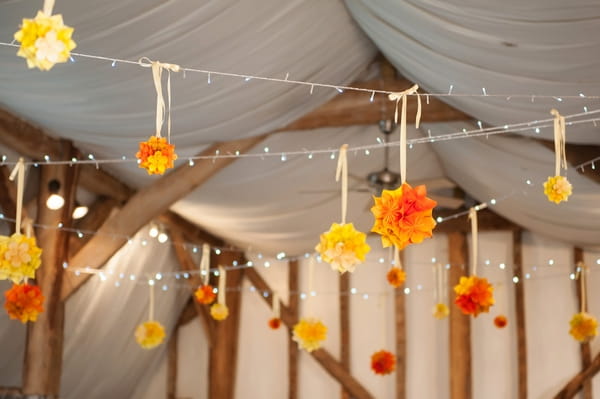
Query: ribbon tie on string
x,y
397,96
342,170
19,173
222,285
560,157
157,69
474,236
205,264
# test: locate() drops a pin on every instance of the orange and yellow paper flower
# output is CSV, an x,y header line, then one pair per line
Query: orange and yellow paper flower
x,y
205,294
343,247
500,321
557,189
19,257
45,41
396,277
24,302
584,327
156,155
309,333
274,323
474,295
383,362
440,311
150,334
219,312
403,216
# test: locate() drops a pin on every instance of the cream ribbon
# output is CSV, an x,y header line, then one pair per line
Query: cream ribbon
x,y
275,305
397,96
157,69
474,240
583,285
205,264
397,260
28,225
222,285
342,171
48,7
151,307
19,173
560,156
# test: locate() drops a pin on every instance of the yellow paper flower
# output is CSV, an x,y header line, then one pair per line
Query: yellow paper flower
x,y
343,247
219,312
309,333
19,257
150,334
45,41
156,155
440,311
557,189
474,295
584,327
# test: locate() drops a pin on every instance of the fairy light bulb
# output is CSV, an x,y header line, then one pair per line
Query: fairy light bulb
x,y
162,238
153,232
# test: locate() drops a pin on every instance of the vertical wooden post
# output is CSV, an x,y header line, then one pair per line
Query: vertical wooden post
x,y
44,346
460,327
172,349
293,306
344,288
400,338
520,314
223,352
586,352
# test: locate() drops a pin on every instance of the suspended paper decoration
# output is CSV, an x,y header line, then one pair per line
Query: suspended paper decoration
x,y
219,310
500,321
440,311
20,257
584,326
309,333
440,294
24,302
151,333
205,294
275,321
557,188
474,295
157,154
45,40
396,275
383,362
343,247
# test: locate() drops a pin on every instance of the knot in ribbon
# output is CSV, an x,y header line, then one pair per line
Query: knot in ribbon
x,y
397,96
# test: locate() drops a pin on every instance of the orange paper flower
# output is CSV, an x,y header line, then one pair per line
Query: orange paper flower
x,y
396,277
440,311
150,334
557,189
474,295
500,321
156,155
383,362
584,327
219,312
309,333
205,294
24,302
274,323
403,216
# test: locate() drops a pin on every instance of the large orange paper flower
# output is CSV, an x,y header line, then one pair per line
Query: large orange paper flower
x,y
474,295
156,155
150,334
309,333
403,216
383,362
500,321
19,257
24,302
584,327
396,277
205,294
343,247
557,189
274,323
219,312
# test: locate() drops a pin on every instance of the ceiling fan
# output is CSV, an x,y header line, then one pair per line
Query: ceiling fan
x,y
440,189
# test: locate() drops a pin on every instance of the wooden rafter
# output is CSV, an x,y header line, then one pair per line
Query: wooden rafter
x,y
584,347
344,288
520,313
400,339
293,309
98,212
575,384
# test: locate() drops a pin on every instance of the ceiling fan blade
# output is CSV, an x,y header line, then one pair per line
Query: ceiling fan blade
x,y
447,202
438,183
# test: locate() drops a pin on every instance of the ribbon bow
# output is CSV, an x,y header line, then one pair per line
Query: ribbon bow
x,y
560,160
397,96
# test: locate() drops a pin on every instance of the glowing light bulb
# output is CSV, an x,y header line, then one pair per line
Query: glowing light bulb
x,y
55,202
162,238
80,212
153,232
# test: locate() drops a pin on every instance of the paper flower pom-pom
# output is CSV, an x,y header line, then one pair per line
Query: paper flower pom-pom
x,y
156,155
584,327
19,257
219,312
205,294
474,295
274,323
150,334
309,333
403,216
343,247
45,41
24,302
557,189
440,311
500,321
396,277
383,362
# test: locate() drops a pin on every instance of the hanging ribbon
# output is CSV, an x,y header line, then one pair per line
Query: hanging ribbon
x,y
560,156
19,173
205,264
397,260
582,269
48,7
275,306
157,69
397,96
222,285
151,307
28,225
474,240
342,170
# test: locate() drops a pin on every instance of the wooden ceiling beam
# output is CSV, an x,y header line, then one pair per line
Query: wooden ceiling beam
x,y
487,221
575,384
98,212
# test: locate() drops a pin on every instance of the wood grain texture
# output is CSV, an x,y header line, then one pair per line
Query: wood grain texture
x,y
520,313
575,384
584,348
345,344
294,312
400,338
